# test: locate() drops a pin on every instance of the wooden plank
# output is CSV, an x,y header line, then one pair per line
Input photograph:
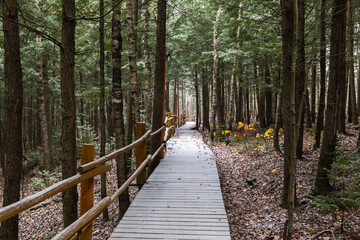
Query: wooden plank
x,y
129,236
140,224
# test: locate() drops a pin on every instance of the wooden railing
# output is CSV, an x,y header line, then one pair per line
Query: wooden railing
x,y
89,168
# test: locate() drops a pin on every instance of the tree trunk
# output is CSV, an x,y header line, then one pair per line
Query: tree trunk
x,y
248,117
205,103
313,90
102,105
110,122
261,101
44,106
167,96
358,90
279,121
230,116
289,41
175,96
308,110
289,54
133,104
197,96
313,65
343,94
220,91
336,83
117,100
13,115
215,78
321,108
81,103
147,59
350,51
68,133
159,86
239,101
268,96
300,79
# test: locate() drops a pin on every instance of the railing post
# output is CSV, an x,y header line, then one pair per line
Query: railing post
x,y
140,152
169,123
87,190
161,153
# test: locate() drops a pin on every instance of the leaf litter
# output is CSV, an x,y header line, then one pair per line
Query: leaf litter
x,y
252,184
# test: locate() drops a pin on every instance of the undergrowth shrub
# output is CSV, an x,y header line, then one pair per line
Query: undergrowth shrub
x,y
44,179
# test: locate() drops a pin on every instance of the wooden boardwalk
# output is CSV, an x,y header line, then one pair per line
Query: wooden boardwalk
x,y
181,199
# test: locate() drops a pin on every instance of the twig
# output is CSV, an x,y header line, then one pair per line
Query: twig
x,y
323,232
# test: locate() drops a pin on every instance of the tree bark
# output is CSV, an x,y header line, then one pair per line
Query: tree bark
x,y
81,101
289,54
350,64
44,106
268,96
230,116
133,104
205,103
289,40
215,78
358,90
102,105
197,97
13,115
159,86
147,58
300,79
239,100
167,96
336,82
321,108
261,101
68,133
117,100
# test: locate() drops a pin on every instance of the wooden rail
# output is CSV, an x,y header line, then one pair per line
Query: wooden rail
x,y
87,171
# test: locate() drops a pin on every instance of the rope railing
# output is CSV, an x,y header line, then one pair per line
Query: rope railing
x,y
86,173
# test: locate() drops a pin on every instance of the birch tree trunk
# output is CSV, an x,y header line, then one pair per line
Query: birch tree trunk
x,y
230,116
147,58
133,103
215,76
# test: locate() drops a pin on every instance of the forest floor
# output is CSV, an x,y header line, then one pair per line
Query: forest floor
x,y
44,220
252,182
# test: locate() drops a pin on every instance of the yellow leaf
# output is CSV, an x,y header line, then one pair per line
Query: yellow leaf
x,y
314,141
274,170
